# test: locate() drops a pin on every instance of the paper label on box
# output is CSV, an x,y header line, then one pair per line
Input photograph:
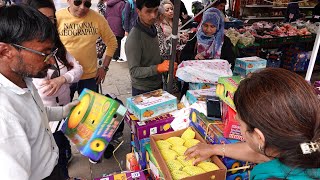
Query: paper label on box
x,y
153,130
135,175
141,123
154,169
106,178
120,177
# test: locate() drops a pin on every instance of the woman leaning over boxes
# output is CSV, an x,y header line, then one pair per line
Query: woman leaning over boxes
x,y
279,115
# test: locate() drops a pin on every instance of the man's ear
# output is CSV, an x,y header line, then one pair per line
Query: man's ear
x,y
6,51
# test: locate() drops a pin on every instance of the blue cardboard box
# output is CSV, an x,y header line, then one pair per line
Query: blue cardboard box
x,y
152,104
200,94
244,72
195,86
253,62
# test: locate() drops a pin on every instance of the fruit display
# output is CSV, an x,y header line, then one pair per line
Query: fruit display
x,y
173,155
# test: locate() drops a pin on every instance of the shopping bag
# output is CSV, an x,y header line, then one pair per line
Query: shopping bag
x,y
122,50
203,71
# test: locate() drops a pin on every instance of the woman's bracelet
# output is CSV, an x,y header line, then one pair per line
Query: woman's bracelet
x,y
223,149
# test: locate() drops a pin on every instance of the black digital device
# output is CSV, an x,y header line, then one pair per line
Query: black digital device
x,y
213,107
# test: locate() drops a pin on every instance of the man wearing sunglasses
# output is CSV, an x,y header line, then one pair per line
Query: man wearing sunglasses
x,y
79,27
28,149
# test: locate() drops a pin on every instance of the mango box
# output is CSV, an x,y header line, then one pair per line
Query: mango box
x,y
203,125
253,62
217,174
226,88
239,176
200,94
232,126
125,176
218,138
92,123
244,72
152,165
152,104
196,86
157,125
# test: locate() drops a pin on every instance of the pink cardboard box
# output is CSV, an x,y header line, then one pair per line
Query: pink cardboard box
x,y
232,127
157,125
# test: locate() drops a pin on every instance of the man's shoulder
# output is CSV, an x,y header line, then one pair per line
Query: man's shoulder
x,y
134,32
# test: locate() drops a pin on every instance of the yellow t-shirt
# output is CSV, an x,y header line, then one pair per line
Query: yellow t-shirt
x,y
79,36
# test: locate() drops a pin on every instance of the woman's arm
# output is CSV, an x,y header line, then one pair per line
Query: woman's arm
x,y
239,151
74,74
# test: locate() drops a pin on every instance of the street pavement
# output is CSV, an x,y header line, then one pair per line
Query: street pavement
x,y
118,83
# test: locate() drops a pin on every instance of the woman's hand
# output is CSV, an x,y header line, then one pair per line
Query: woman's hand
x,y
53,85
200,152
199,57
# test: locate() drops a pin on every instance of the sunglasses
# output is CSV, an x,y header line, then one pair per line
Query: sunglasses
x,y
87,4
46,56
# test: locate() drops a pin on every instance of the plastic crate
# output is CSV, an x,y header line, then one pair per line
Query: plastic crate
x,y
307,38
287,39
266,41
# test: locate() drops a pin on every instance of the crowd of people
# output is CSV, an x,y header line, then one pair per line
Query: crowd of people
x,y
47,55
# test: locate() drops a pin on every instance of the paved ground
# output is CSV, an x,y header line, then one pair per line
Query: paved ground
x,y
118,83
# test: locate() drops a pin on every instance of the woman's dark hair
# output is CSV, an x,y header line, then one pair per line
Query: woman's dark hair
x,y
61,54
147,3
284,107
219,2
20,23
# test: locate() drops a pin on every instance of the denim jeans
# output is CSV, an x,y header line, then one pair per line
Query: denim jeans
x,y
85,83
64,150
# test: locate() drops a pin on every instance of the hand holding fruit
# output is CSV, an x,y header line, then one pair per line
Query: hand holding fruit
x,y
200,152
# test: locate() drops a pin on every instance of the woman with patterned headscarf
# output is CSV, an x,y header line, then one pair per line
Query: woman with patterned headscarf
x,y
209,42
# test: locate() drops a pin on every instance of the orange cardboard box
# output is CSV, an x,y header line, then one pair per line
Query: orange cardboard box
x,y
217,175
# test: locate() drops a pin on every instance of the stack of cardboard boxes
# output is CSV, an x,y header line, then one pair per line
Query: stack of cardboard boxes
x,y
149,114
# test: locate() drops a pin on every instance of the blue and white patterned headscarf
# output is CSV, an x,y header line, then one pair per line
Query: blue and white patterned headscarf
x,y
210,46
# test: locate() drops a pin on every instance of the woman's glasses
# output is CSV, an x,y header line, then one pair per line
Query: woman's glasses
x,y
87,4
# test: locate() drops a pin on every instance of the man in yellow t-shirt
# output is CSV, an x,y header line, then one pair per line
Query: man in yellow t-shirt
x,y
79,27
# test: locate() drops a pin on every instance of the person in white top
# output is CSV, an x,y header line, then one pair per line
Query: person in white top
x,y
27,147
54,89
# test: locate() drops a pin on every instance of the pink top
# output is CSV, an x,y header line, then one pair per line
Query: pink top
x,y
72,76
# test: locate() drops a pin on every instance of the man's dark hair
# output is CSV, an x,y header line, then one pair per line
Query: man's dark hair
x,y
147,3
37,4
20,23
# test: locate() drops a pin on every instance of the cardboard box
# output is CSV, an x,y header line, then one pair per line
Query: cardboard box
x,y
218,174
226,88
200,94
253,62
216,137
152,104
239,176
231,125
244,72
125,176
152,165
157,125
196,86
132,162
204,126
92,123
